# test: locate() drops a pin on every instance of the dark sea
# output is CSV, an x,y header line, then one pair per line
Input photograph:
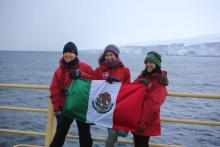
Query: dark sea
x,y
186,75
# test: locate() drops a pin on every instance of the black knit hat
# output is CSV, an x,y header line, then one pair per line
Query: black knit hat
x,y
70,47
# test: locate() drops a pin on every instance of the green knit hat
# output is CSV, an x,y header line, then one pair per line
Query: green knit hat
x,y
153,57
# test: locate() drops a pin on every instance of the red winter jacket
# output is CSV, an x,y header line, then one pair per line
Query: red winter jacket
x,y
154,98
121,72
61,81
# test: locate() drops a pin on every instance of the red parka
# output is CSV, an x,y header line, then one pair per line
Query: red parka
x,y
154,98
61,81
121,72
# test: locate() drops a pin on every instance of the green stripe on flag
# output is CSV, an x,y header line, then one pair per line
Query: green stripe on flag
x,y
76,103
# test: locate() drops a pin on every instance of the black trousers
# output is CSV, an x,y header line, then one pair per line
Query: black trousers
x,y
63,127
141,141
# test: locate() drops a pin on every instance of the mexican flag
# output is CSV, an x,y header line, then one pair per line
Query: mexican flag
x,y
116,105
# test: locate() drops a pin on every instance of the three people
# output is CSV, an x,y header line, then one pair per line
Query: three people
x,y
155,81
112,70
71,68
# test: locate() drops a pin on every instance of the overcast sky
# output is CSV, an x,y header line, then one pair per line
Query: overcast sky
x,y
49,24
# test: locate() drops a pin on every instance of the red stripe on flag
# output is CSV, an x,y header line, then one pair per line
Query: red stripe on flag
x,y
129,102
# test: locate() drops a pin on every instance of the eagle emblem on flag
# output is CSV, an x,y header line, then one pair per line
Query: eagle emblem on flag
x,y
102,104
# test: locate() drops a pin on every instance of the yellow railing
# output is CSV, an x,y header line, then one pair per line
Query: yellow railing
x,y
51,123
40,87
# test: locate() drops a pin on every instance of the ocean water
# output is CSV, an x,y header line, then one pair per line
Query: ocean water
x,y
186,74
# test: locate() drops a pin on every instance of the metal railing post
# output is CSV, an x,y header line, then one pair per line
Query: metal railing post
x,y
51,125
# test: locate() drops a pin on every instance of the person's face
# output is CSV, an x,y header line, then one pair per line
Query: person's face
x,y
109,56
150,66
69,56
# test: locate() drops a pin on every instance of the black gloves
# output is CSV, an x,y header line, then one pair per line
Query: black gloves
x,y
58,115
112,79
75,74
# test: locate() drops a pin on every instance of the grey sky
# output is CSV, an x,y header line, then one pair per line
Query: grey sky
x,y
49,24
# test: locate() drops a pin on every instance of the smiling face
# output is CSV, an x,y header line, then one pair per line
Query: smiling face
x,y
69,56
150,66
109,56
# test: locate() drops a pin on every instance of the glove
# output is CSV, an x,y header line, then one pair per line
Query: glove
x,y
144,81
58,115
112,79
75,74
139,130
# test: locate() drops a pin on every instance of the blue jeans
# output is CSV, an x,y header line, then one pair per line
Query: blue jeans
x,y
113,136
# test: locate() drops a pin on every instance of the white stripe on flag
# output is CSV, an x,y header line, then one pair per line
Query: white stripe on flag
x,y
97,87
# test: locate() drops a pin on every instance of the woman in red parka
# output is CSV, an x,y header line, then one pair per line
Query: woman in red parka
x,y
156,81
112,70
71,68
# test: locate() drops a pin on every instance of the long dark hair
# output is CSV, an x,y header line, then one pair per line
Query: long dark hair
x,y
101,59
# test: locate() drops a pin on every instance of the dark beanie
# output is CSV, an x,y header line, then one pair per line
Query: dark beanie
x,y
153,57
112,48
70,47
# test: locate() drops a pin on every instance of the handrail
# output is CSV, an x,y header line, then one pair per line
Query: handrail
x,y
185,121
194,95
99,139
40,87
22,109
26,145
173,94
51,121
